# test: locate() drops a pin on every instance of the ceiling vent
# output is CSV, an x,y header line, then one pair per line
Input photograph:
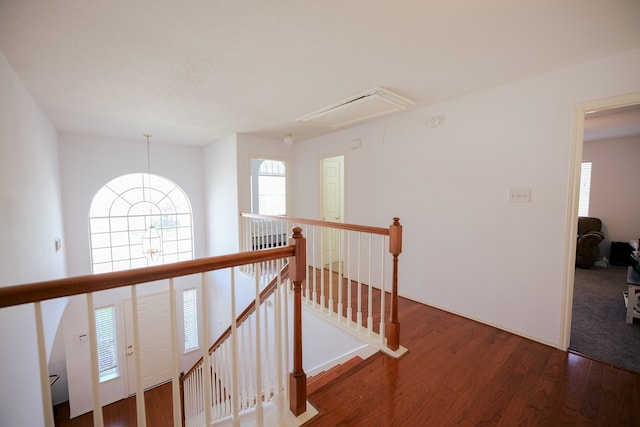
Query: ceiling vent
x,y
367,105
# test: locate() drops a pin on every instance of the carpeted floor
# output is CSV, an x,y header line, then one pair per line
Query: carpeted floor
x,y
598,326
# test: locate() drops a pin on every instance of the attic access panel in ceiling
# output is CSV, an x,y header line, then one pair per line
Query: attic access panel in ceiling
x,y
366,105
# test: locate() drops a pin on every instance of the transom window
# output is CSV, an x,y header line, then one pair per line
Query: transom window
x,y
127,207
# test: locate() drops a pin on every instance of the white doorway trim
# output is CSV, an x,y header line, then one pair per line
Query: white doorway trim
x,y
577,142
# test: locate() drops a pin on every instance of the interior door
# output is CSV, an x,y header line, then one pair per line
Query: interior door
x,y
155,340
332,206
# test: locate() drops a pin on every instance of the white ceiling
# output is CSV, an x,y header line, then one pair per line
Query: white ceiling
x,y
194,71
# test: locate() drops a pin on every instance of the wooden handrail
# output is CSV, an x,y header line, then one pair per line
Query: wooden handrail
x,y
340,225
249,309
40,291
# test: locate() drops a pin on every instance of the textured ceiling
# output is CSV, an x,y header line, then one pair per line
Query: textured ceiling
x,y
194,71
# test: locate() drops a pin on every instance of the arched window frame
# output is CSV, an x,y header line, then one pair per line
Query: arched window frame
x,y
124,208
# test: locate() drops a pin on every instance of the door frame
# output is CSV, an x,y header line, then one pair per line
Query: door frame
x,y
575,160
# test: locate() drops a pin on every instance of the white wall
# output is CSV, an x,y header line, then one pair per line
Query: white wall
x,y
87,163
252,147
228,192
615,177
465,248
30,221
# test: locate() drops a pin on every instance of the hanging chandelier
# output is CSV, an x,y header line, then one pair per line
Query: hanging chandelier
x,y
151,240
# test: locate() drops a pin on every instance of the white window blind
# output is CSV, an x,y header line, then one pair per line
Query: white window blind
x,y
190,305
107,345
585,189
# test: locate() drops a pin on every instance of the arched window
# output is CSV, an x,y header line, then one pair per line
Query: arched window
x,y
128,207
271,188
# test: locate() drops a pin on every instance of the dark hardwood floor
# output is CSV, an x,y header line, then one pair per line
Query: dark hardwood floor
x,y
461,372
159,412
456,372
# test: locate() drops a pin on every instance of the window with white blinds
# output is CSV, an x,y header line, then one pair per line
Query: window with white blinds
x,y
585,189
190,305
107,345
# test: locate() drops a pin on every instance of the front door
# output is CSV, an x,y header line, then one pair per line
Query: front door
x,y
155,340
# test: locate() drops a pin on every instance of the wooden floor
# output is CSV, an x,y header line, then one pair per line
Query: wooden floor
x,y
460,372
456,372
159,412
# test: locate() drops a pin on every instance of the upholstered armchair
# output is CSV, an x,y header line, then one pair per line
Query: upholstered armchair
x,y
589,237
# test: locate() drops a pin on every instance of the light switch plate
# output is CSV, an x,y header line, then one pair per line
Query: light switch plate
x,y
519,195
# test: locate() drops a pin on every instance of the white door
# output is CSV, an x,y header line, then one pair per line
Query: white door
x,y
332,206
155,340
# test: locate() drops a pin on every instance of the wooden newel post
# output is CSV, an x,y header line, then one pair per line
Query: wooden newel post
x,y
395,248
297,273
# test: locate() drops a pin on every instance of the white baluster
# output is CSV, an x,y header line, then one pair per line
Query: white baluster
x,y
285,328
259,390
382,290
234,352
314,271
322,231
277,328
370,291
248,351
359,288
340,276
95,374
330,272
265,327
45,387
349,306
205,356
175,369
141,415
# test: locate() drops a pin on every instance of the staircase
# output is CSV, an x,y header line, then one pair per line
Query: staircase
x,y
318,381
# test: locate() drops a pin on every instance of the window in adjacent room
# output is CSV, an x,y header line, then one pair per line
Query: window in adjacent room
x,y
190,305
268,187
107,346
585,189
125,209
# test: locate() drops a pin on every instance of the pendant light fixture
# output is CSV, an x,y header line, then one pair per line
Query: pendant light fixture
x,y
151,240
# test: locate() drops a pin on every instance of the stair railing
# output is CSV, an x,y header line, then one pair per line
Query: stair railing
x,y
34,293
348,267
256,383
